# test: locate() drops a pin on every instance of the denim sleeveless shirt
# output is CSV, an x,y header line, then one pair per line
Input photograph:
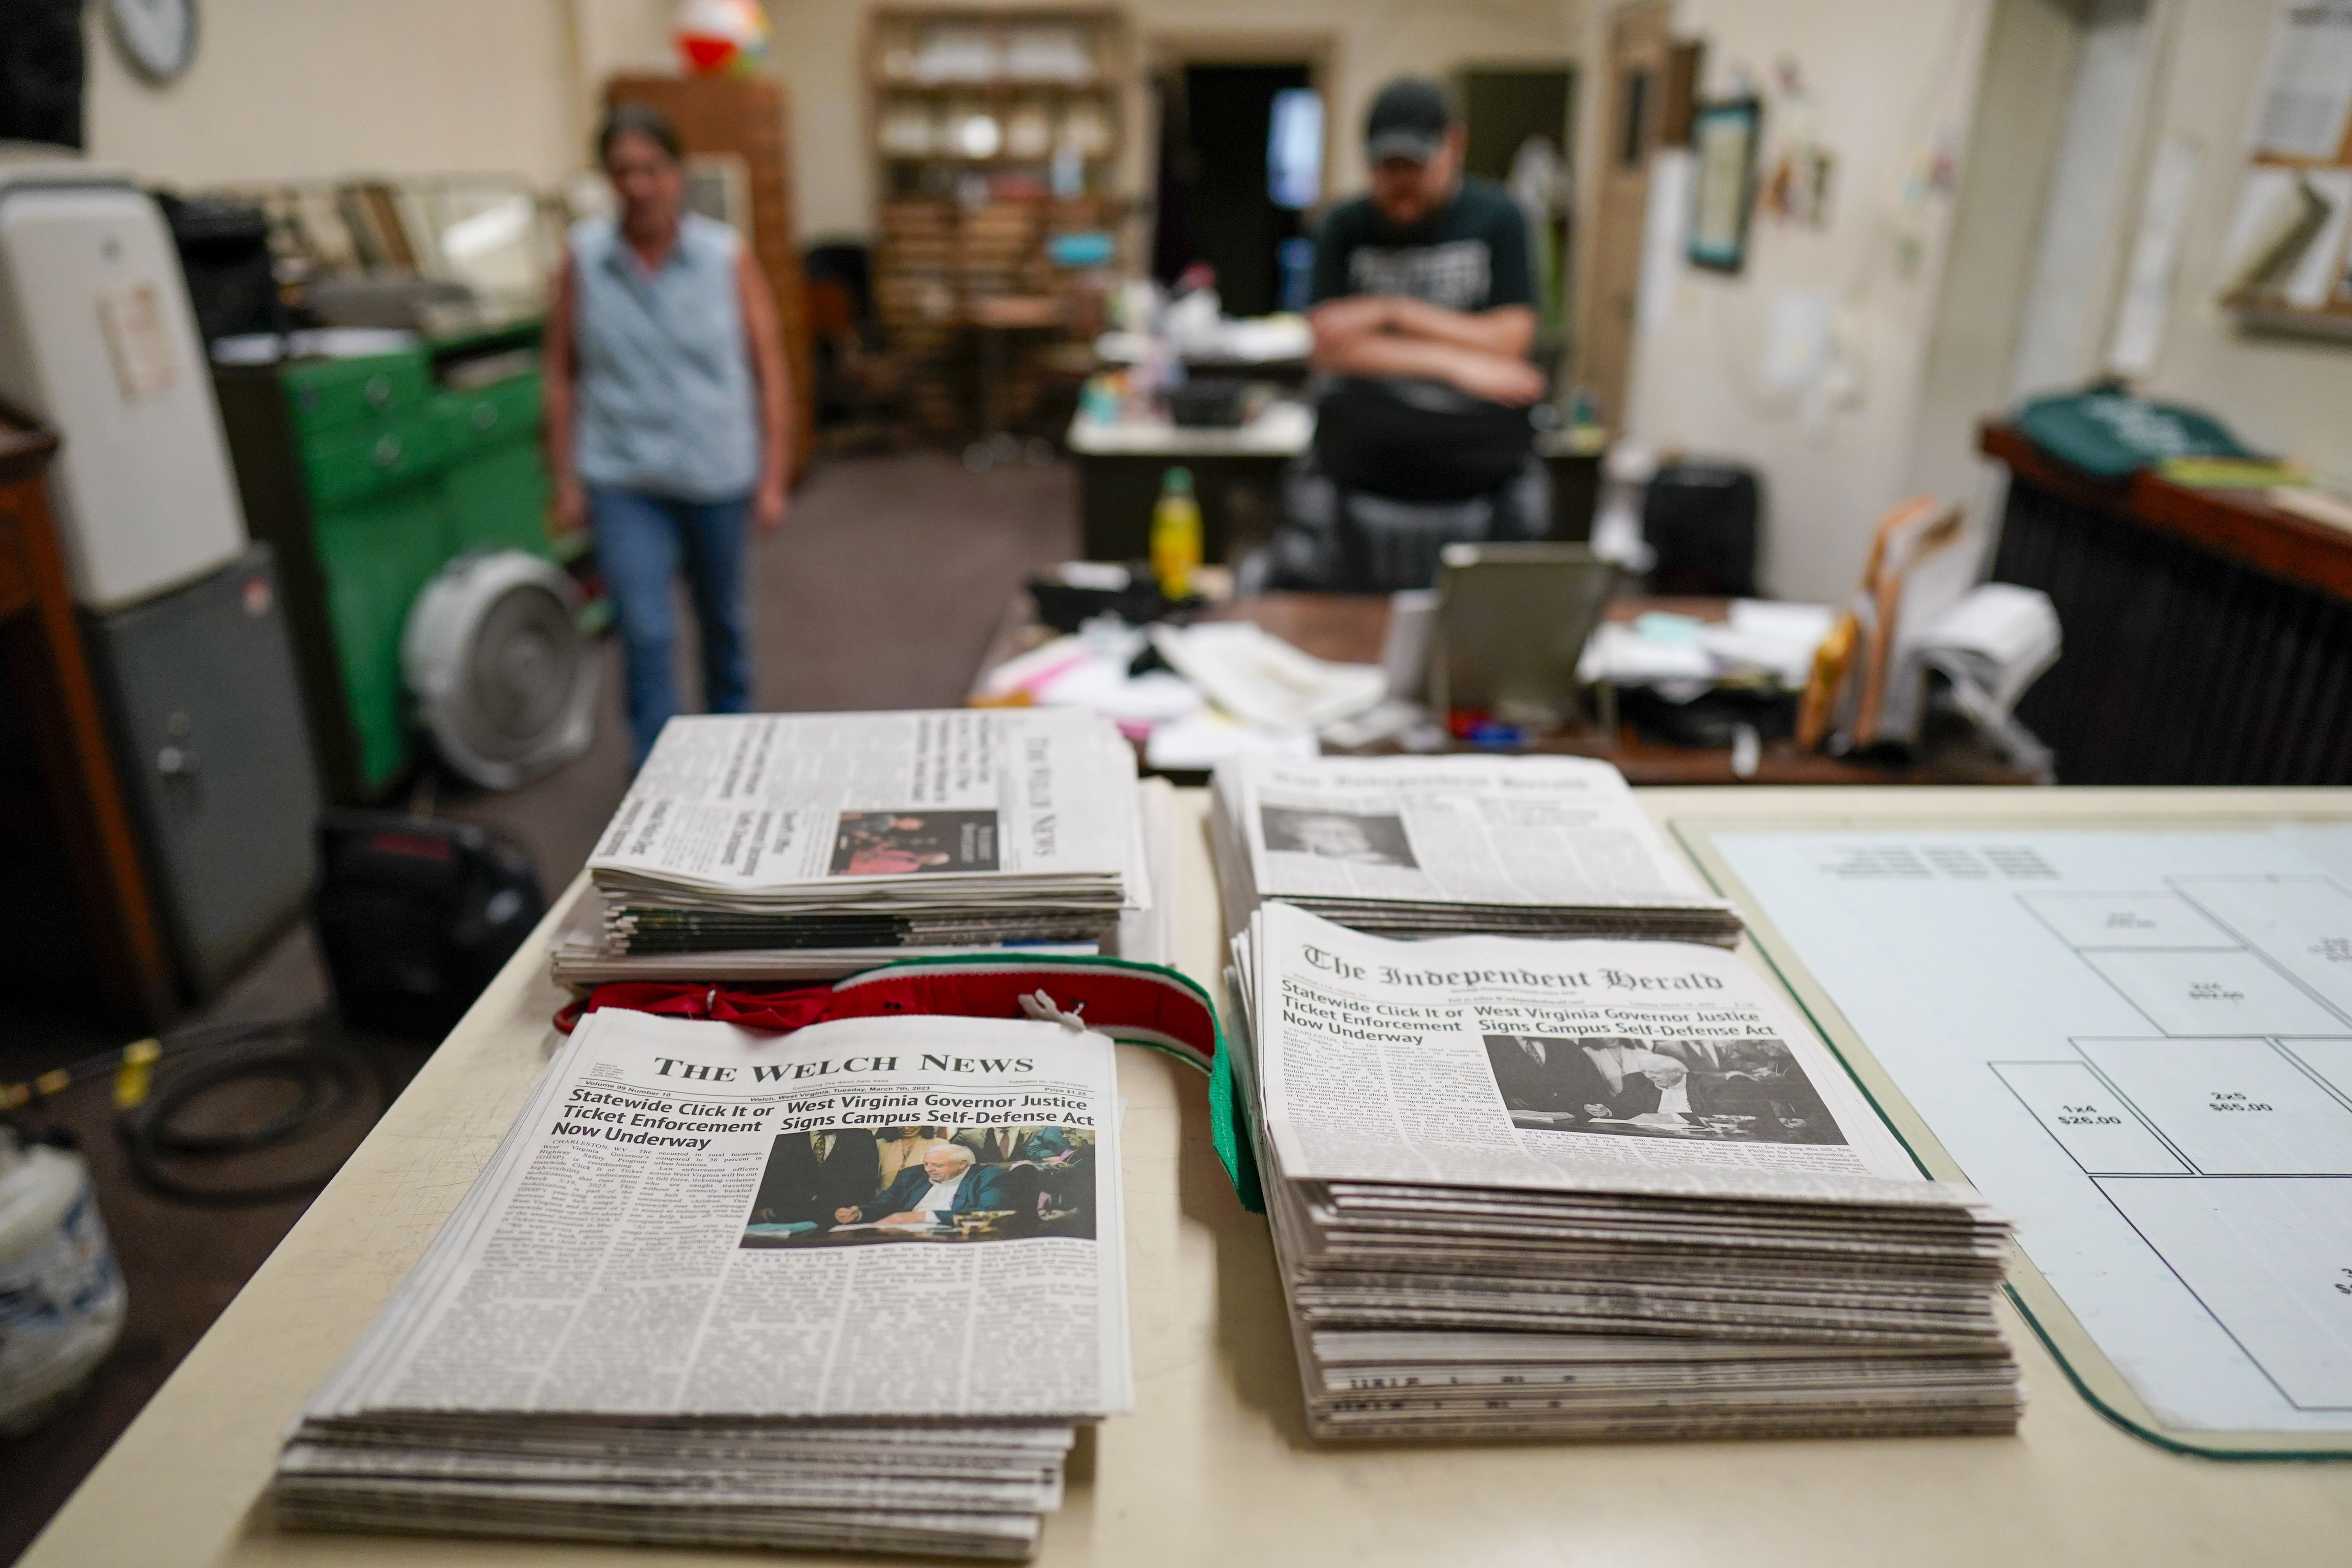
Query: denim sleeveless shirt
x,y
666,404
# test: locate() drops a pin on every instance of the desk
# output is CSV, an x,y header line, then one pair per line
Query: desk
x,y
1348,628
1238,476
79,809
1214,1468
2208,633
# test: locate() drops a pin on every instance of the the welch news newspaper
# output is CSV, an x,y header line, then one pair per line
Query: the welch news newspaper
x,y
743,804
913,1216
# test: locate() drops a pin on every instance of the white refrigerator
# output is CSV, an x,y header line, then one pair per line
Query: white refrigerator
x,y
98,342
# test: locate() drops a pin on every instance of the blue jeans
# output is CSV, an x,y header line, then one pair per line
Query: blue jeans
x,y
640,542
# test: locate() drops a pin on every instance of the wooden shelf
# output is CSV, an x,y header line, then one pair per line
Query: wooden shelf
x,y
995,160
997,84
2240,526
2331,323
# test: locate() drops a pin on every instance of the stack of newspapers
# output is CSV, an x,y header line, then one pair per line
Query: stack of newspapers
x,y
710,1292
786,847
1425,847
1595,1189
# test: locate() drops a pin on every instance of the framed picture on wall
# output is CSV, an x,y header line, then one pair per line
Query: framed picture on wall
x,y
1724,138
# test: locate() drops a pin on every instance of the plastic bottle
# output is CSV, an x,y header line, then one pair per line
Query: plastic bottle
x,y
61,1297
1176,534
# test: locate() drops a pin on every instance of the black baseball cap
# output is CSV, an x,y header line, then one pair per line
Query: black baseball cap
x,y
1409,119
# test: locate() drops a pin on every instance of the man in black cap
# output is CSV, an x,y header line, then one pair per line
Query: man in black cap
x,y
1424,297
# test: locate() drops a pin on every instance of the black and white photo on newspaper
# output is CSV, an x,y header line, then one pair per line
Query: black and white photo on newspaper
x,y
759,804
1498,1060
1455,845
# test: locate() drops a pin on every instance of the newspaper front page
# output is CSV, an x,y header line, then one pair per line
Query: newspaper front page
x,y
1468,830
913,1216
1599,1065
749,803
1502,1171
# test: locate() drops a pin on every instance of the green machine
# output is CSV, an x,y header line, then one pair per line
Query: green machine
x,y
368,476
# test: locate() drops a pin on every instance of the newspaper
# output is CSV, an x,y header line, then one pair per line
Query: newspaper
x,y
939,804
1423,846
1560,1065
582,954
1501,1171
716,1285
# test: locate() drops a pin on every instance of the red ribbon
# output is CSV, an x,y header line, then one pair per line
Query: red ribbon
x,y
1130,999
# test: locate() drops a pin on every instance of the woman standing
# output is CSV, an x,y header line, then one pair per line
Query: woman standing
x,y
666,413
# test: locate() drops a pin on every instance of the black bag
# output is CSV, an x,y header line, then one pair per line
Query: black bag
x,y
41,71
1702,521
224,249
1445,448
415,914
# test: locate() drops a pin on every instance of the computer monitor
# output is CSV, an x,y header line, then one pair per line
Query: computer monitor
x,y
1512,621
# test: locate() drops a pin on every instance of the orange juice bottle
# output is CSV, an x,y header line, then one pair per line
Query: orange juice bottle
x,y
1176,534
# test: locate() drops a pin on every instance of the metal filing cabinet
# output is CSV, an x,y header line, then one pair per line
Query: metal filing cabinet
x,y
207,720
97,339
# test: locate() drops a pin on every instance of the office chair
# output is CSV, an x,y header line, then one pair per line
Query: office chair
x,y
1337,540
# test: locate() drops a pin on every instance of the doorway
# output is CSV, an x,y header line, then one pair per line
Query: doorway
x,y
1520,121
1217,202
2069,295
1635,71
2040,230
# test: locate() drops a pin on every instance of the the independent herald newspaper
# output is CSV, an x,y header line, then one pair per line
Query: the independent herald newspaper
x,y
750,802
1640,1068
695,1220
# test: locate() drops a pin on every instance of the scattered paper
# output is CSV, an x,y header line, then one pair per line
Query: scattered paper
x,y
2314,274
1205,738
2307,91
1258,677
137,341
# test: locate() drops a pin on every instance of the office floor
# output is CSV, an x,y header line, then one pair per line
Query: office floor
x,y
880,592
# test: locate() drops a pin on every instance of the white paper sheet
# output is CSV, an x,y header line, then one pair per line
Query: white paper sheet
x,y
2307,90
2139,1044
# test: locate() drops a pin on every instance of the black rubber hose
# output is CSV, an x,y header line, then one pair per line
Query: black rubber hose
x,y
328,1075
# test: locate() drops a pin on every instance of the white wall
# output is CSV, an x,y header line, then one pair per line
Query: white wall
x,y
2283,395
1890,83
2023,106
1939,348
2061,342
298,89
304,89
618,36
820,44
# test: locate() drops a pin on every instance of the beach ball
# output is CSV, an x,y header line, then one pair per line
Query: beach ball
x,y
721,37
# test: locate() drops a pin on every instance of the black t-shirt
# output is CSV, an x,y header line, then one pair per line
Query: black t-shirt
x,y
1469,254
1403,437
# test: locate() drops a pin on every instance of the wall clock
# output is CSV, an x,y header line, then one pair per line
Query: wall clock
x,y
158,36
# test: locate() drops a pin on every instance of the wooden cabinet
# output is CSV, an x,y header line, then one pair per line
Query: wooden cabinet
x,y
994,130
70,806
2208,633
748,117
